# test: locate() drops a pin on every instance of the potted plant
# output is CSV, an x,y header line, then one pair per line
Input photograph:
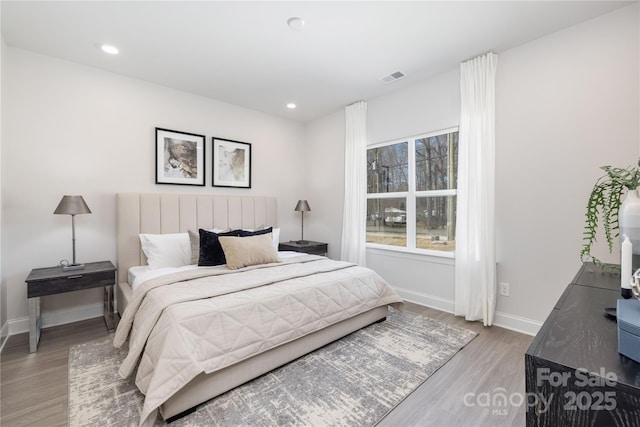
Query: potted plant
x,y
604,204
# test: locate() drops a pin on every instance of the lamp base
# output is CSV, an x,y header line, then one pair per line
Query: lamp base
x,y
73,267
302,242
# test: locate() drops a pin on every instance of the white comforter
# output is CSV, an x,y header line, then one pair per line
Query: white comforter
x,y
204,320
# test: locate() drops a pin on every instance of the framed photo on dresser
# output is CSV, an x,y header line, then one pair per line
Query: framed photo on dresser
x,y
231,163
179,157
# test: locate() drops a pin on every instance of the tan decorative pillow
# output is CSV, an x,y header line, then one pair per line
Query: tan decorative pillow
x,y
245,251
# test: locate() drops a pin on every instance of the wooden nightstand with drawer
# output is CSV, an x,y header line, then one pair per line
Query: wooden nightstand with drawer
x,y
309,247
54,280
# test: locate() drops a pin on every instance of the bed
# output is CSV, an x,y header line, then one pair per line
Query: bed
x,y
217,297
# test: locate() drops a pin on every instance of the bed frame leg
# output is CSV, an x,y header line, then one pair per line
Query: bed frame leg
x,y
181,414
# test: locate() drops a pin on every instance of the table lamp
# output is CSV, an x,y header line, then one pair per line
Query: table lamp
x,y
72,205
303,207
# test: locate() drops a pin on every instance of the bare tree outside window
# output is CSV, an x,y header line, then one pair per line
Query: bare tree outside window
x,y
411,200
387,169
437,162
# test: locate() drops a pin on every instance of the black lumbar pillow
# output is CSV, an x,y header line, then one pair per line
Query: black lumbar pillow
x,y
246,233
211,252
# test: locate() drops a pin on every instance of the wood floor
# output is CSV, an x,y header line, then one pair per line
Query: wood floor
x,y
461,392
34,386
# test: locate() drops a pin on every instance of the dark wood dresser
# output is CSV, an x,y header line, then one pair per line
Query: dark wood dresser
x,y
574,373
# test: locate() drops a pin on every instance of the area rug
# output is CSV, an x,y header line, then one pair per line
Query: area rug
x,y
354,381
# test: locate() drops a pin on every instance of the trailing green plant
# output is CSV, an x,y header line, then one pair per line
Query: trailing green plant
x,y
604,204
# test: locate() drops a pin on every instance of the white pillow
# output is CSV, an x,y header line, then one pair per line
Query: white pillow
x,y
166,250
275,233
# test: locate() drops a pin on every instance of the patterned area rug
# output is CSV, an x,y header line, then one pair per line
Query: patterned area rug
x,y
354,381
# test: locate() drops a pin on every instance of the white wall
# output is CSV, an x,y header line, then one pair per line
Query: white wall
x,y
71,129
324,174
4,330
428,106
565,105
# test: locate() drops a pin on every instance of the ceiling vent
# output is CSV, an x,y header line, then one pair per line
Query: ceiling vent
x,y
393,77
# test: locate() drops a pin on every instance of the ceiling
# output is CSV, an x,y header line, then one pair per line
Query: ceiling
x,y
244,53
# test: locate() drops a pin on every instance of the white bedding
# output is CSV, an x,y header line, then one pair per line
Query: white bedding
x,y
141,273
202,320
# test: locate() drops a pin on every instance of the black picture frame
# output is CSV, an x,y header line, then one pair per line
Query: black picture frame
x,y
231,162
180,158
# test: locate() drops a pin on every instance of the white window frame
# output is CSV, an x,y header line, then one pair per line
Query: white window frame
x,y
410,196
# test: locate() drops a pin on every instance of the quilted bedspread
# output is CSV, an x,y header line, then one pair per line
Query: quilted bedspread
x,y
204,320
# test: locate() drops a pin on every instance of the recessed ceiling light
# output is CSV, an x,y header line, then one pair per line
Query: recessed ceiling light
x,y
291,105
295,23
107,48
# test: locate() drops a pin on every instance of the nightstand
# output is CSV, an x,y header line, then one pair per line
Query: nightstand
x,y
309,247
55,280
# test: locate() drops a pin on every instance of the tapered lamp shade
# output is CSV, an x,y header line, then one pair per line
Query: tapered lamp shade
x,y
302,206
72,205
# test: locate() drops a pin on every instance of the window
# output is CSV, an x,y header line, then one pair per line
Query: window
x,y
411,192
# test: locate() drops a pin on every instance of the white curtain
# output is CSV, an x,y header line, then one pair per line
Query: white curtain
x,y
475,271
355,184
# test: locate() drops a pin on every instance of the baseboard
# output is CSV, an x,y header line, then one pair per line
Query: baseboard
x,y
441,304
58,317
517,323
4,335
503,320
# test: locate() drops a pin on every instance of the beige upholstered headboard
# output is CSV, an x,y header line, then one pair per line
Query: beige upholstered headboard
x,y
174,213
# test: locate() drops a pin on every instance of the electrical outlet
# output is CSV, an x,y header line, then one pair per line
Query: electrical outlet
x,y
504,289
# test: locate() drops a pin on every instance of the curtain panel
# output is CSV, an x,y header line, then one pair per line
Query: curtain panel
x,y
355,185
475,265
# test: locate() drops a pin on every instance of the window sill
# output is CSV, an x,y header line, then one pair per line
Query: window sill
x,y
427,255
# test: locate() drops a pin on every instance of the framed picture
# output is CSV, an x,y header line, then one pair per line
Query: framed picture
x,y
231,163
179,157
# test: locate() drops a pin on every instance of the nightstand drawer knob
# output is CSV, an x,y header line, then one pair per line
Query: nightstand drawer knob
x,y
77,276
